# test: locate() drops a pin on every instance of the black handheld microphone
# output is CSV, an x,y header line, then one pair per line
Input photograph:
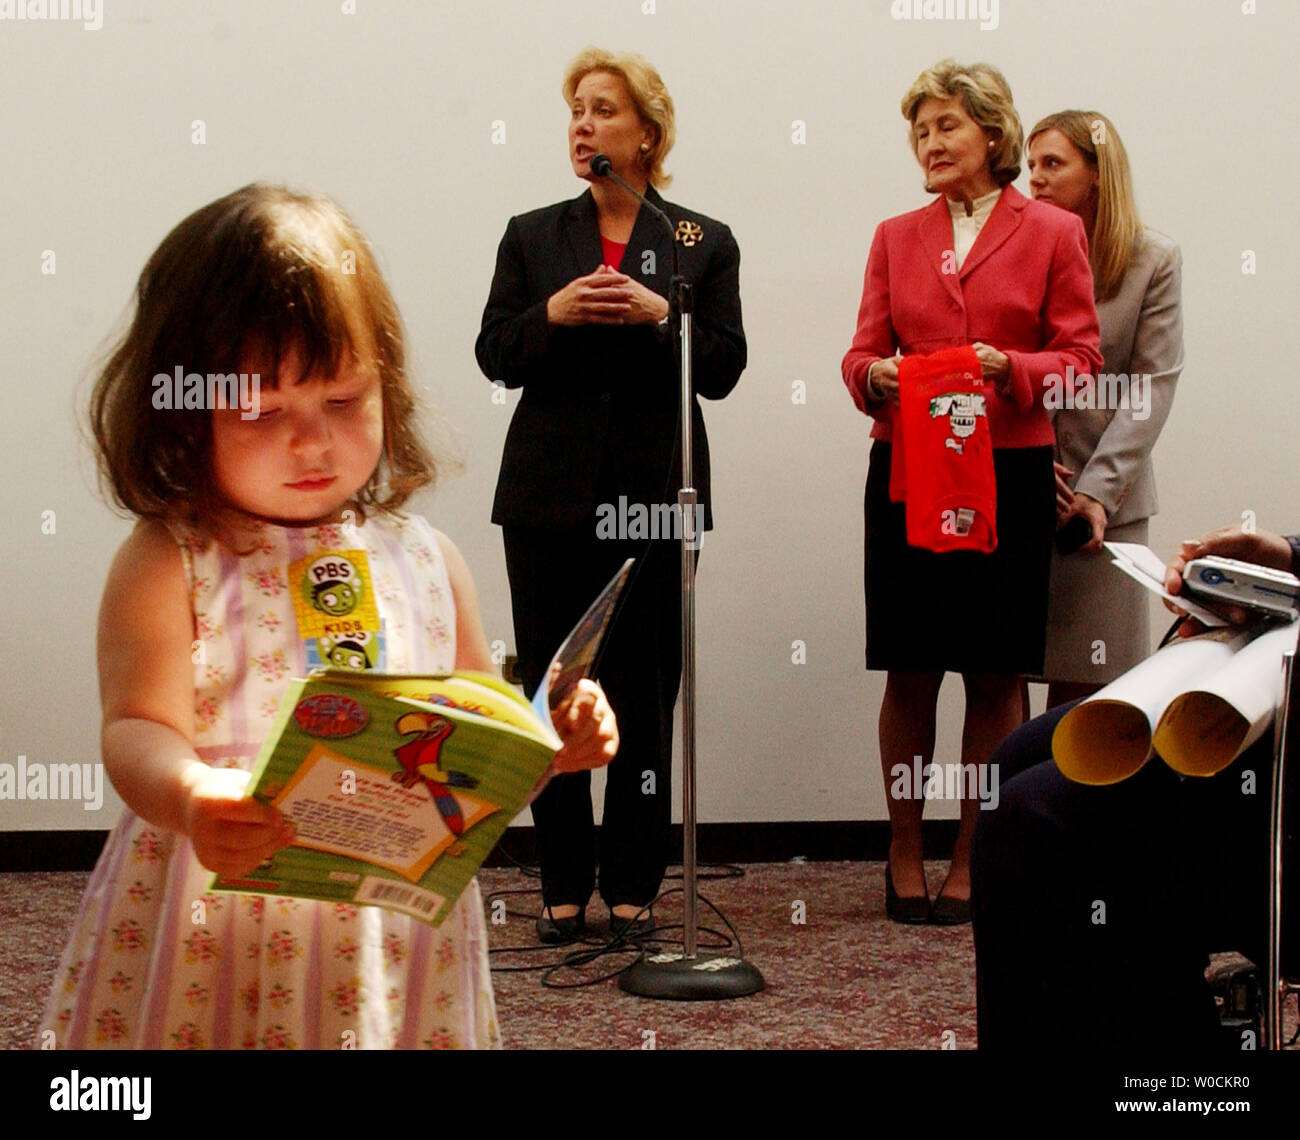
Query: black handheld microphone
x,y
1073,535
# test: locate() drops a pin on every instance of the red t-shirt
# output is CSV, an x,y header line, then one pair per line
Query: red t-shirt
x,y
942,462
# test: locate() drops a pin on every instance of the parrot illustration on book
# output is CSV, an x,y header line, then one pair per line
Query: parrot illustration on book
x,y
420,760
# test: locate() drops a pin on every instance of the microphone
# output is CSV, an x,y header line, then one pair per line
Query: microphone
x,y
601,167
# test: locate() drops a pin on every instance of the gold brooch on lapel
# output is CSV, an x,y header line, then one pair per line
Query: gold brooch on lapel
x,y
688,233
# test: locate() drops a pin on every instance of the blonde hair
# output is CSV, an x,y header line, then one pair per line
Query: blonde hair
x,y
256,271
1117,227
649,96
986,97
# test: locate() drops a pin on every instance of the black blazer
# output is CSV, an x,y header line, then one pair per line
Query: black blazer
x,y
598,414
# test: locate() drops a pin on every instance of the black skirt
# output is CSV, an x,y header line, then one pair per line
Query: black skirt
x,y
962,612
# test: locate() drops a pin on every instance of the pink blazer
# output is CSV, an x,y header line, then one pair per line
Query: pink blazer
x,y
1025,288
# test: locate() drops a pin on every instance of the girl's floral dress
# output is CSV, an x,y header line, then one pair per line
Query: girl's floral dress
x,y
155,960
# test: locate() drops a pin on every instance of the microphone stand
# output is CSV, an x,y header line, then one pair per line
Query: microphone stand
x,y
688,976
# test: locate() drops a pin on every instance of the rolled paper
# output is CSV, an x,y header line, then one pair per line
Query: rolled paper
x,y
1102,742
1109,736
1206,729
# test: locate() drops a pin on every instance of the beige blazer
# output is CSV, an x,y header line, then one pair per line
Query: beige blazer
x,y
1141,334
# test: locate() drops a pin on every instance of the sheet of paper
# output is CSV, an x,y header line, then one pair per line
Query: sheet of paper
x,y
1143,565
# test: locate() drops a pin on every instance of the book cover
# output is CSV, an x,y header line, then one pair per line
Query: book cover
x,y
394,801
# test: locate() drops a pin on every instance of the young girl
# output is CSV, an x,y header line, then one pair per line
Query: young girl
x,y
204,620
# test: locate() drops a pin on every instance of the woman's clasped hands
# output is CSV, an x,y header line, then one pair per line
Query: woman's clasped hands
x,y
605,297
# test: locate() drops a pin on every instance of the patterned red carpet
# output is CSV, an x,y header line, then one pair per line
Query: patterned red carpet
x,y
839,974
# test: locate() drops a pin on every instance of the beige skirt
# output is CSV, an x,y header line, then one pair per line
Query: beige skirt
x,y
1098,621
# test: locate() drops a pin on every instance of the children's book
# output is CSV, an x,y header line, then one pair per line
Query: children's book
x,y
399,786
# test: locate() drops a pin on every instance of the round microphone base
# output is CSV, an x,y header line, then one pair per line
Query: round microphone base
x,y
706,977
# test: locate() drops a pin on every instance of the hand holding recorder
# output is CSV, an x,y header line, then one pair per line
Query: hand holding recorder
x,y
1242,571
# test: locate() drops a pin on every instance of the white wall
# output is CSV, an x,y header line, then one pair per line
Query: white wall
x,y
390,111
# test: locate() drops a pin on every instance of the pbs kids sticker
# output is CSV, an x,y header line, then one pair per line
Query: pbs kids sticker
x,y
356,651
333,597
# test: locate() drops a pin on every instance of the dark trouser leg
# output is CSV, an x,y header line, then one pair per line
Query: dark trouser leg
x,y
550,588
641,675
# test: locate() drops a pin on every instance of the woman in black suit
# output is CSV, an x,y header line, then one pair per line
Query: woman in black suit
x,y
577,318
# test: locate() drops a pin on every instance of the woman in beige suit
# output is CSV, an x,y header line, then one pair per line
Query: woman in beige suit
x,y
1098,625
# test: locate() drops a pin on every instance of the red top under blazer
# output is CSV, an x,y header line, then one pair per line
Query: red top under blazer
x,y
1025,288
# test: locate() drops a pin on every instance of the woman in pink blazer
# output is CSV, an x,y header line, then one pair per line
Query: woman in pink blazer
x,y
981,266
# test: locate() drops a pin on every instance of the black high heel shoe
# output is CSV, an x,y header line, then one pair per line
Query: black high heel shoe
x,y
949,912
639,926
913,910
557,931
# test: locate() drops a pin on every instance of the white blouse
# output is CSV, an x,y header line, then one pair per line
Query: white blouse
x,y
966,229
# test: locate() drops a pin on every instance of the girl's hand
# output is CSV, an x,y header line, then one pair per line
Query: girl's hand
x,y
601,298
231,834
586,724
996,366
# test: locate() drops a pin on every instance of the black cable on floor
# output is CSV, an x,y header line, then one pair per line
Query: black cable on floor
x,y
530,869
594,948
620,944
